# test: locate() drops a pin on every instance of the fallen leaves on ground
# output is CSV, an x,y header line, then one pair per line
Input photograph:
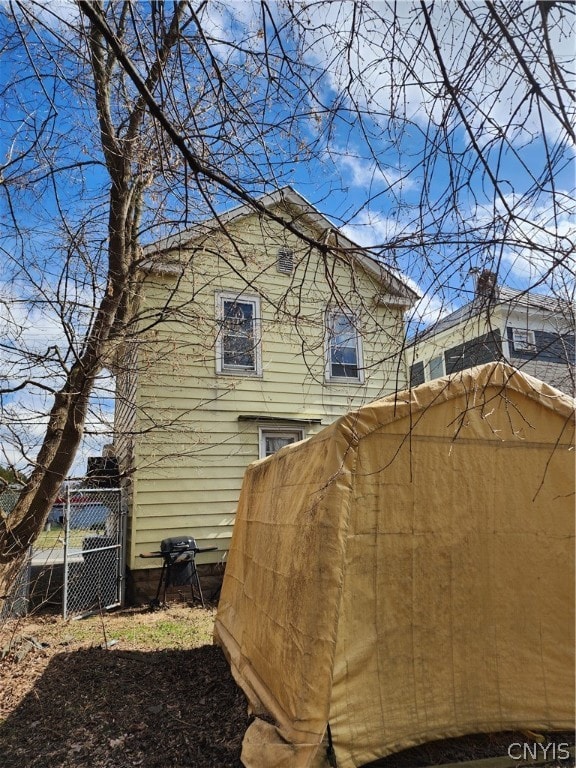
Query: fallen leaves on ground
x,y
65,703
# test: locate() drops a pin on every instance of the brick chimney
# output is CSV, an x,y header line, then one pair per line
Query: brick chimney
x,y
486,285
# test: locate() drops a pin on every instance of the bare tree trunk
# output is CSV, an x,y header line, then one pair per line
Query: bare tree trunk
x,y
67,417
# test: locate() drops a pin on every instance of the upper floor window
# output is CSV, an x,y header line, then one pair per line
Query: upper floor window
x,y
343,347
436,367
238,344
523,340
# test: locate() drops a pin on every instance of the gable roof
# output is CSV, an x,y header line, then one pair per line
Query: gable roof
x,y
330,237
503,296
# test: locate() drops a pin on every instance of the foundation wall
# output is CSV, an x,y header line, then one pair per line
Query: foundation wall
x,y
141,585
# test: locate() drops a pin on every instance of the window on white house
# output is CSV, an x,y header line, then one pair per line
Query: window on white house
x,y
238,347
523,340
436,367
343,347
272,439
285,261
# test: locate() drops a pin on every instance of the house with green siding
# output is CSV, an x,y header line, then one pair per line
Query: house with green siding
x,y
255,329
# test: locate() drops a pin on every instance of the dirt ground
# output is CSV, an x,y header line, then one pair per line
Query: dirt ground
x,y
73,694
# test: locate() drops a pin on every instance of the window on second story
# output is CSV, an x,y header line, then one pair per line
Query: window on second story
x,y
343,347
238,344
436,367
523,340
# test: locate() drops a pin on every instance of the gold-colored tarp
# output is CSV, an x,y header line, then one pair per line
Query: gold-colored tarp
x,y
407,574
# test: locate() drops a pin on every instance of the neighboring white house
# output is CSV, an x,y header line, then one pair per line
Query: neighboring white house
x,y
533,332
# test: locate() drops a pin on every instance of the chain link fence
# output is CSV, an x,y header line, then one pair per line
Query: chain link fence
x,y
16,604
78,559
93,561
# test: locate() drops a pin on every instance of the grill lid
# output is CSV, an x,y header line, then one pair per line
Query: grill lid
x,y
178,544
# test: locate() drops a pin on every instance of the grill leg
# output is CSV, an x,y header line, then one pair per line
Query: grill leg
x,y
196,580
155,602
166,578
167,581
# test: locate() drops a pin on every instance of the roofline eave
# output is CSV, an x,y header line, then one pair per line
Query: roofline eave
x,y
401,293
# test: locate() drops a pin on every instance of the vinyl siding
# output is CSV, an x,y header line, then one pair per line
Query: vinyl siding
x,y
482,349
125,425
191,449
480,339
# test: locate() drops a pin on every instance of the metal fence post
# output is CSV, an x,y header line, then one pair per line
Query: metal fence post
x,y
123,530
66,544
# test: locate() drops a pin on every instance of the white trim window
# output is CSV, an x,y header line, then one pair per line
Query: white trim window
x,y
274,438
343,347
524,340
436,367
238,347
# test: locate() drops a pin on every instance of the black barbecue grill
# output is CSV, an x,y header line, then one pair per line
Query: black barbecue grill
x,y
178,567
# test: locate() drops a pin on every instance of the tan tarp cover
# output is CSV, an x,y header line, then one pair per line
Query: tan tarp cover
x,y
407,574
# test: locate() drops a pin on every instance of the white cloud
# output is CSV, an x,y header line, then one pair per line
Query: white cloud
x,y
428,310
29,334
540,238
56,15
231,27
367,174
387,63
24,420
390,71
370,229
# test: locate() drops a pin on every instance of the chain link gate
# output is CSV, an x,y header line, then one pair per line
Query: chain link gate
x,y
94,528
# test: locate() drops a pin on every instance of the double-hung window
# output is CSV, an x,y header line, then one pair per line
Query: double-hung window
x,y
343,347
238,344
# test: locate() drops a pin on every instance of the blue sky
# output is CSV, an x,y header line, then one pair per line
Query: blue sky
x,y
371,156
368,174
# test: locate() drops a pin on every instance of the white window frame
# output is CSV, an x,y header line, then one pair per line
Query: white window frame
x,y
523,340
328,325
279,431
439,357
227,368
